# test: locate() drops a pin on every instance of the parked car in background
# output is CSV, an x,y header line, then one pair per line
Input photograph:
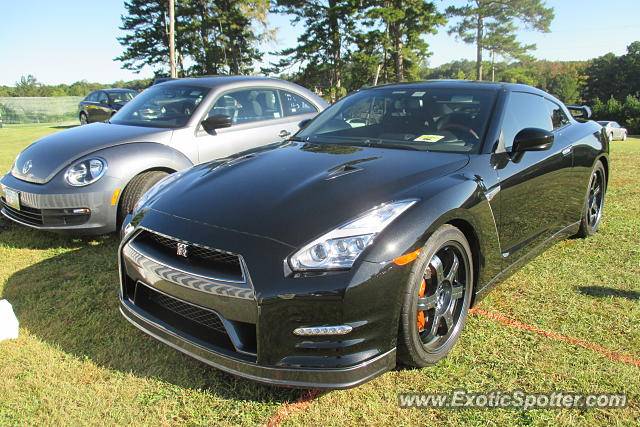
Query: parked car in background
x,y
86,179
101,104
364,239
614,130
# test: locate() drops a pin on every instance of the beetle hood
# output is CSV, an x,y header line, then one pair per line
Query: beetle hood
x,y
43,159
297,191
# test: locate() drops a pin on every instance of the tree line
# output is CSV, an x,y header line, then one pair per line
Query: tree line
x,y
347,44
343,43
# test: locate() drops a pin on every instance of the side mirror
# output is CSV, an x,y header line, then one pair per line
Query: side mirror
x,y
217,121
532,139
304,123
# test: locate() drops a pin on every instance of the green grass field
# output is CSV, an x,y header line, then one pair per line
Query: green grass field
x,y
78,362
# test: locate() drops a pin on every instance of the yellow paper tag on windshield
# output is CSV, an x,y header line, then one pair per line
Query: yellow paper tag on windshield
x,y
429,138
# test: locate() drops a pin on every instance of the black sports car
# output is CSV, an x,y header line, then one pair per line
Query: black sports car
x,y
101,104
323,260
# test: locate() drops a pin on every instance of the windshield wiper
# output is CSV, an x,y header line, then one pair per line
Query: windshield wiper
x,y
375,142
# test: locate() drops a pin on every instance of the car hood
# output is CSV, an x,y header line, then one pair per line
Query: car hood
x,y
48,155
298,191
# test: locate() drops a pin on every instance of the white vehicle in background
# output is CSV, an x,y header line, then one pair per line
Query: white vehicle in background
x,y
614,130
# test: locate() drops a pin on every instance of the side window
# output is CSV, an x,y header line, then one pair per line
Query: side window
x,y
92,97
248,105
558,117
294,104
524,110
102,98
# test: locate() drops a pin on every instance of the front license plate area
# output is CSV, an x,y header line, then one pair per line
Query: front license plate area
x,y
12,198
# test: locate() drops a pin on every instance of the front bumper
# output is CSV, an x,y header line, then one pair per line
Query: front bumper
x,y
260,313
299,377
56,207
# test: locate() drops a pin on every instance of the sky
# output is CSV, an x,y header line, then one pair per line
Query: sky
x,y
64,41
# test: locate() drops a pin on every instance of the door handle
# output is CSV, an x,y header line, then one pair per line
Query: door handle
x,y
284,133
567,150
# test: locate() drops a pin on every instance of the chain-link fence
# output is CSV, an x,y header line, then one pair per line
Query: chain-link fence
x,y
55,109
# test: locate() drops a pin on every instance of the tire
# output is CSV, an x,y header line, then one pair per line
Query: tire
x,y
446,296
624,136
594,202
83,119
139,185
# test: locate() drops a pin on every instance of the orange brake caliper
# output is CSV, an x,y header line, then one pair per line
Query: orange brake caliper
x,y
421,321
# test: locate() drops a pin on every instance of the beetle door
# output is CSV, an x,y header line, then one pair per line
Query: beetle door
x,y
257,119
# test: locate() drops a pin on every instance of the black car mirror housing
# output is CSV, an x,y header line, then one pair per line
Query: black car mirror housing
x,y
532,139
217,121
304,123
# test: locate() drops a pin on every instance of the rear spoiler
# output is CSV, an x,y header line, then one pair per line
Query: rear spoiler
x,y
581,112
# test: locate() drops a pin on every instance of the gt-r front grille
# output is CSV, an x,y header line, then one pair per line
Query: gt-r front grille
x,y
188,311
197,252
190,258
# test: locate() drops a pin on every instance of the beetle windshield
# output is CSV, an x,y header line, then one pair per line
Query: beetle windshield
x,y
417,118
162,106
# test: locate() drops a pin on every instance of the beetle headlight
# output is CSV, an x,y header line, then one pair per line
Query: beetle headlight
x,y
85,172
339,248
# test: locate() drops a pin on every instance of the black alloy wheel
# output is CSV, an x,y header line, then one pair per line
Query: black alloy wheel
x,y
594,202
437,298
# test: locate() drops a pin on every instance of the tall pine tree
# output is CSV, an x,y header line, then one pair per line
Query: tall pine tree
x,y
329,31
490,25
400,27
212,36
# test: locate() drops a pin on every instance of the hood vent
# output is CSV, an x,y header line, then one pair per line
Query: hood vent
x,y
347,168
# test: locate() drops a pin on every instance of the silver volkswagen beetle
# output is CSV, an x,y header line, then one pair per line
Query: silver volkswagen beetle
x,y
85,180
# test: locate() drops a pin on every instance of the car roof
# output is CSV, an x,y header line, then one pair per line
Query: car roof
x,y
480,84
118,89
214,81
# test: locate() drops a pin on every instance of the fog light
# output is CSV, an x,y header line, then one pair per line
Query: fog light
x,y
323,330
81,211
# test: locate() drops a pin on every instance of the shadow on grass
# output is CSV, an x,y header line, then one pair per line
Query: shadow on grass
x,y
70,301
22,237
603,291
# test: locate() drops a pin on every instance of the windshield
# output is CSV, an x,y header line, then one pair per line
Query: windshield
x,y
417,118
120,97
163,106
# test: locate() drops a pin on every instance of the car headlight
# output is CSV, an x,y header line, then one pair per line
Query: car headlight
x,y
339,248
85,172
155,190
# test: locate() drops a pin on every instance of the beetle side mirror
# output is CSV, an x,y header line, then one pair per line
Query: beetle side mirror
x,y
304,123
532,139
217,121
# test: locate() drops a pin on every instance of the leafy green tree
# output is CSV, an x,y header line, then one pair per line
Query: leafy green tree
x,y
212,36
399,29
329,31
491,25
28,86
617,76
565,86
